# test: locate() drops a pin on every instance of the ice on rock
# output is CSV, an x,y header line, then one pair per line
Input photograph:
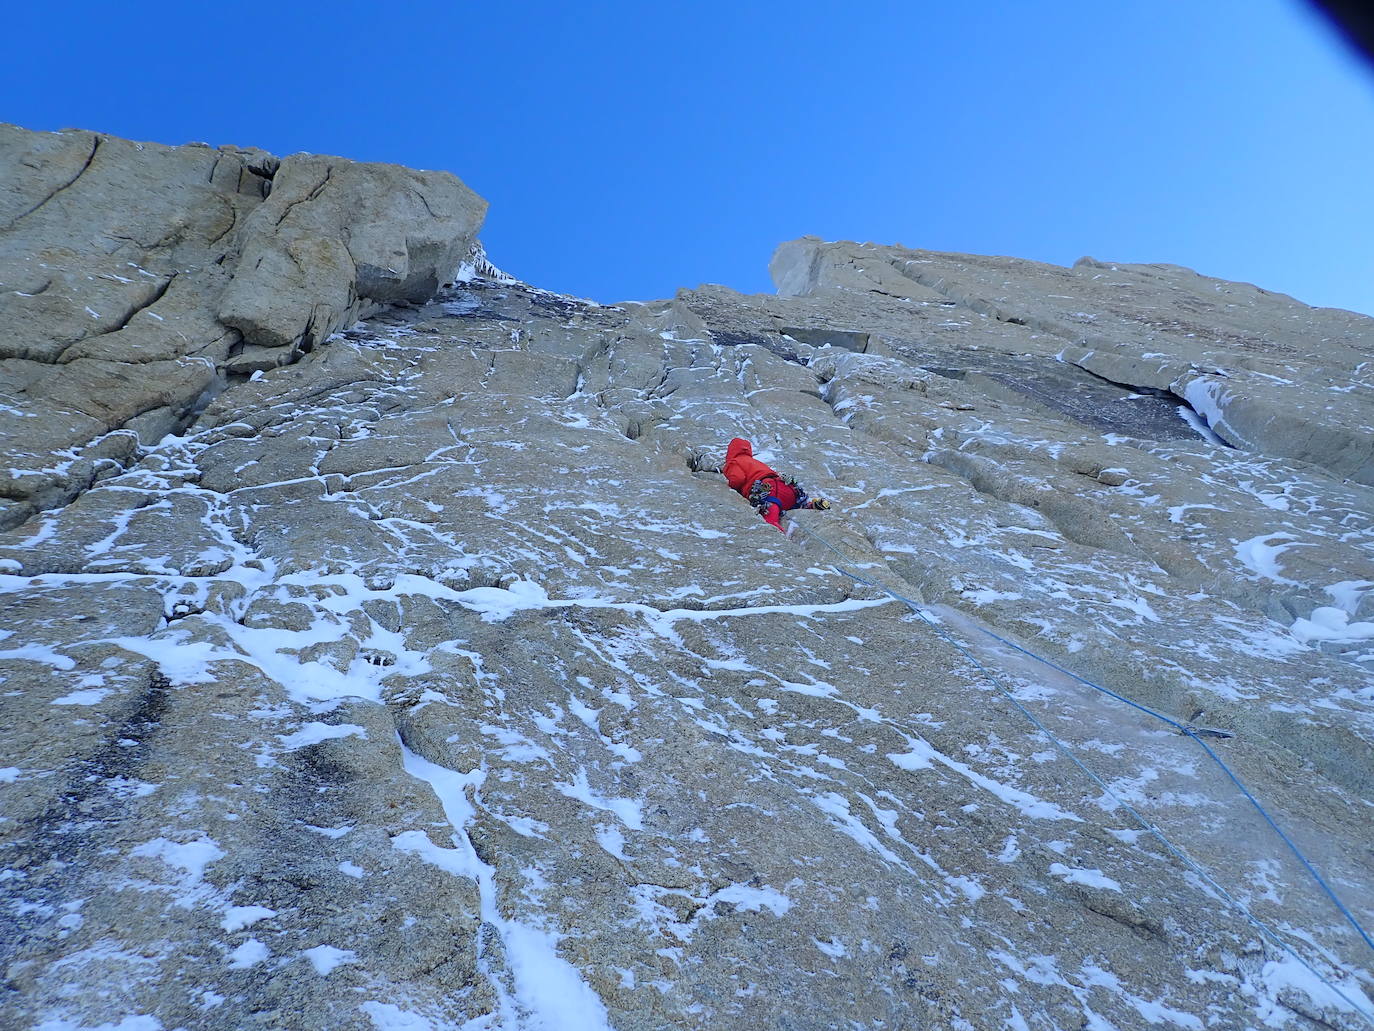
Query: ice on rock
x,y
375,652
327,958
238,917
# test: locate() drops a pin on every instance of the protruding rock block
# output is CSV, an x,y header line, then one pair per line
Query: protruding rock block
x,y
206,262
335,238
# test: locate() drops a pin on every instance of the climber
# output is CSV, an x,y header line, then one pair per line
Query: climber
x,y
765,489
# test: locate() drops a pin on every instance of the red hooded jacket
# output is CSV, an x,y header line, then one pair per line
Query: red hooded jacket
x,y
742,470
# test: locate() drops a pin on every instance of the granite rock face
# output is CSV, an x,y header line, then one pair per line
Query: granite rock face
x,y
334,236
1265,373
136,279
435,679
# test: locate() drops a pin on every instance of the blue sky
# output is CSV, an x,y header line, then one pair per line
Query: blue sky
x,y
629,149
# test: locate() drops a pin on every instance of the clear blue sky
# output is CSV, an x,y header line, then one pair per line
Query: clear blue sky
x,y
628,149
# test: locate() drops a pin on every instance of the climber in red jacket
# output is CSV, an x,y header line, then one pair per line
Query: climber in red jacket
x,y
766,490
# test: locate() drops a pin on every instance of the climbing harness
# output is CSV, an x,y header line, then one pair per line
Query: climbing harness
x,y
762,493
1145,823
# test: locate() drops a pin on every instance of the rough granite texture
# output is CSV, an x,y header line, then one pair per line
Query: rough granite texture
x,y
137,279
432,677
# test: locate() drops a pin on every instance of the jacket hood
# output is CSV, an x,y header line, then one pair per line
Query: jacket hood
x,y
739,446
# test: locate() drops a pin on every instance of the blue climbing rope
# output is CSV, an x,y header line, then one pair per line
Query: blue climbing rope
x,y
1187,731
1146,824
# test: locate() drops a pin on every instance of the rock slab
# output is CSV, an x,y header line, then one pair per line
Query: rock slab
x,y
435,679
